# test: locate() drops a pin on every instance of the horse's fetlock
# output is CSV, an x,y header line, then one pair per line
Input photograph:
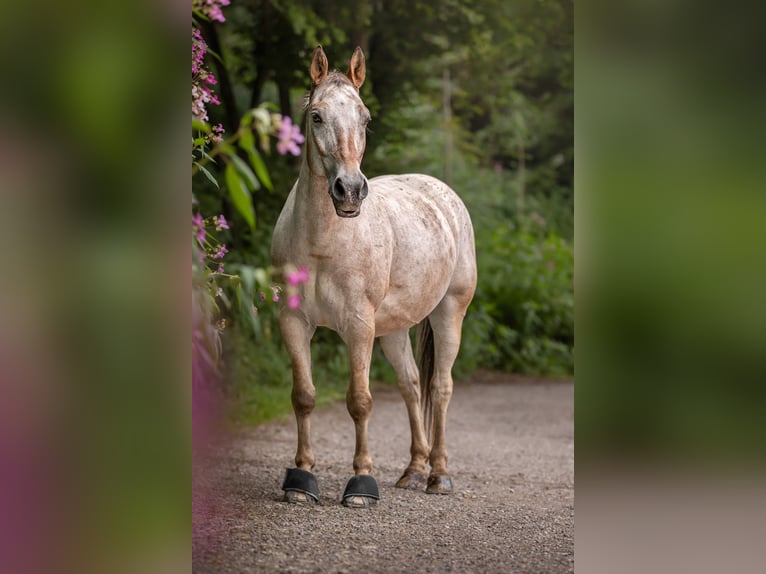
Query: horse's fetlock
x,y
363,465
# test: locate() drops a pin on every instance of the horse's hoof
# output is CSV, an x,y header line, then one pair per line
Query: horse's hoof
x,y
361,492
439,485
412,481
294,497
359,502
300,487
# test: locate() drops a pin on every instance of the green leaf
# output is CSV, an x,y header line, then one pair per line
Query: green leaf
x,y
208,175
240,195
247,274
246,140
261,277
227,148
246,120
247,143
200,125
242,168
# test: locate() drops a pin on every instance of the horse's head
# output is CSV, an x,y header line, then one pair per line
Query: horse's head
x,y
336,131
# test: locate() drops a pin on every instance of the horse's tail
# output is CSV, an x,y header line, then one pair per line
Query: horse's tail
x,y
426,359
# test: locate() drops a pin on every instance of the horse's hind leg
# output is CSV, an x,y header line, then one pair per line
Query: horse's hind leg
x,y
398,350
446,321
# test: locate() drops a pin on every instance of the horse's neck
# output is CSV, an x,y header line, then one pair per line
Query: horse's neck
x,y
314,213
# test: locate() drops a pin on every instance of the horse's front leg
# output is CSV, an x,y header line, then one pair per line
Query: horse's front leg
x,y
300,484
362,490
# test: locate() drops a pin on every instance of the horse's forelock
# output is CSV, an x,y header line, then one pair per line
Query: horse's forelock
x,y
334,79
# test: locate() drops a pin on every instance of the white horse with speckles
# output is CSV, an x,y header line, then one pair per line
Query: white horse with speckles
x,y
383,255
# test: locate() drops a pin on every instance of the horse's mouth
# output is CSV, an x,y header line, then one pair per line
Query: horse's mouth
x,y
348,212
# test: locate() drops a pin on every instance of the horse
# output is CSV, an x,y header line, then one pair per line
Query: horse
x,y
383,255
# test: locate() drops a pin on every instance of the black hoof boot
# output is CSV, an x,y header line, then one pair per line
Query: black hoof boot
x,y
361,492
300,487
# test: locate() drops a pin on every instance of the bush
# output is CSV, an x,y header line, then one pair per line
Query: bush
x,y
522,317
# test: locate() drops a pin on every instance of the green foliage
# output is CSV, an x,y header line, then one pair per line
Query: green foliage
x,y
477,93
524,306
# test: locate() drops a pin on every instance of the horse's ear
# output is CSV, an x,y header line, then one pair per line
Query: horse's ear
x,y
318,65
356,69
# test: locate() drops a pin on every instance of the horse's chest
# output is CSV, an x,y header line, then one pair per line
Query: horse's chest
x,y
335,292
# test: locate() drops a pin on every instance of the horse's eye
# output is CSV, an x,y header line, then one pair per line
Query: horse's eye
x,y
316,118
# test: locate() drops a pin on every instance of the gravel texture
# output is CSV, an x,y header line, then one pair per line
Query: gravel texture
x,y
511,446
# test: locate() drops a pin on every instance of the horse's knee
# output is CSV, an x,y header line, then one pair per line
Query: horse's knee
x,y
359,404
303,400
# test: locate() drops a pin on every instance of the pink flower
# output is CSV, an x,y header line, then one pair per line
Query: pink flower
x,y
289,137
220,222
219,292
199,226
294,301
216,135
221,252
220,268
201,77
300,276
275,298
216,14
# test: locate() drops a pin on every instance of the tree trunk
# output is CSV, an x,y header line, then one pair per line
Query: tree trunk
x,y
257,86
285,105
361,34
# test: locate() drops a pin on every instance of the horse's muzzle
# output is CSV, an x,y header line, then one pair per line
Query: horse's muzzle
x,y
347,195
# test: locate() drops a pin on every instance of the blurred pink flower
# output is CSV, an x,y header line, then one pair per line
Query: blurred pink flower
x,y
220,222
216,134
199,226
300,276
222,250
294,301
216,14
289,137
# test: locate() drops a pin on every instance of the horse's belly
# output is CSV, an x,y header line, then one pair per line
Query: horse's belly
x,y
402,308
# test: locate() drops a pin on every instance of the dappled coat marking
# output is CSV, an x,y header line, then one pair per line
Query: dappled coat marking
x,y
383,255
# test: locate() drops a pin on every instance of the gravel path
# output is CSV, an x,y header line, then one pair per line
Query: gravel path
x,y
511,445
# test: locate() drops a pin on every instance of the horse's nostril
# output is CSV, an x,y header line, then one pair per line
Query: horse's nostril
x,y
338,190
